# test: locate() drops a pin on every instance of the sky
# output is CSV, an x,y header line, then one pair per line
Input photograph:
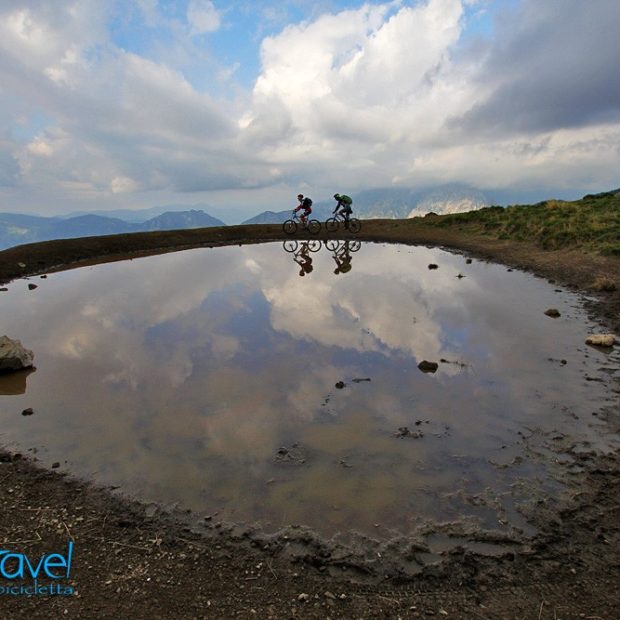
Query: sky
x,y
242,105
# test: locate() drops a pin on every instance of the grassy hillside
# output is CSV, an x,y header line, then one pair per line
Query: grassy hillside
x,y
592,223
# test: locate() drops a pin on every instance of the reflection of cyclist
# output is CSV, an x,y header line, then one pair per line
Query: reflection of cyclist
x,y
306,205
344,204
343,258
303,259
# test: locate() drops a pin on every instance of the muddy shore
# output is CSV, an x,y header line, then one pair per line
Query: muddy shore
x,y
133,560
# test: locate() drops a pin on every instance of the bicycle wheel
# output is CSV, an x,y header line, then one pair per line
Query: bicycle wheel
x,y
314,227
314,245
332,244
289,227
354,245
331,225
354,225
290,245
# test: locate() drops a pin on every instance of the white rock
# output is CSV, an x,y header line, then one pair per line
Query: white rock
x,y
13,356
601,340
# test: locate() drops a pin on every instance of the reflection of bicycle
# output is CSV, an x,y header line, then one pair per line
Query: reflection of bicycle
x,y
334,223
291,225
336,245
291,245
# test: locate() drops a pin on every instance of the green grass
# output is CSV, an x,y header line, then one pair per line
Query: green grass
x,y
592,223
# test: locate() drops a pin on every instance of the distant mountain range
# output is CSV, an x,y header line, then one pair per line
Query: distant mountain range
x,y
16,229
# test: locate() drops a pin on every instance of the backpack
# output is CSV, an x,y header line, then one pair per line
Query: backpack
x,y
345,200
307,202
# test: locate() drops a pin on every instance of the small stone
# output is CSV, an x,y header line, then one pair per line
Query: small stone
x,y
329,595
28,411
31,286
601,340
433,266
460,276
4,289
303,597
55,465
468,261
553,312
426,366
340,385
22,265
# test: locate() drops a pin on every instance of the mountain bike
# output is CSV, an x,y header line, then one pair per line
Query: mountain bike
x,y
291,245
334,223
291,225
337,245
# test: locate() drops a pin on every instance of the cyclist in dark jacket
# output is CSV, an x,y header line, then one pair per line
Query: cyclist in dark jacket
x,y
306,205
344,204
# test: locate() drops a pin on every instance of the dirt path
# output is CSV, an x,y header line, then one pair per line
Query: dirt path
x,y
132,562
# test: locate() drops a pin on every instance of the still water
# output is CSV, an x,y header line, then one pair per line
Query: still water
x,y
208,378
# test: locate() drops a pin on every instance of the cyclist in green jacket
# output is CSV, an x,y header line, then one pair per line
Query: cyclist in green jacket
x,y
344,204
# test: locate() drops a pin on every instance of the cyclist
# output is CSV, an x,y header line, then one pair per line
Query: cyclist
x,y
306,205
344,204
343,259
303,259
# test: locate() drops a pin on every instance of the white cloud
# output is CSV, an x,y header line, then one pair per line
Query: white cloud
x,y
202,17
364,97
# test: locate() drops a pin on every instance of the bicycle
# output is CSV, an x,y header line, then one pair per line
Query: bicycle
x,y
332,224
291,225
337,245
291,245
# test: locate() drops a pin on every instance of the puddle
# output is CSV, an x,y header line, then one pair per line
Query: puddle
x,y
208,379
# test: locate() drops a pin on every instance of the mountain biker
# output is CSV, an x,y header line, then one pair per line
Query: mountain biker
x,y
343,259
344,204
306,205
303,259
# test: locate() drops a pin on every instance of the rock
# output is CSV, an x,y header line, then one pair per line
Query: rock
x,y
28,411
340,385
460,276
32,286
360,380
43,277
22,265
303,597
4,289
553,312
604,284
426,366
468,261
433,266
601,340
431,214
13,356
55,465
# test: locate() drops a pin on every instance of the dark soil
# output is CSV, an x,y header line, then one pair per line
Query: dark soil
x,y
136,561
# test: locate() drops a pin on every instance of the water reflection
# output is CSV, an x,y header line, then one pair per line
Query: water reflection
x,y
181,377
14,383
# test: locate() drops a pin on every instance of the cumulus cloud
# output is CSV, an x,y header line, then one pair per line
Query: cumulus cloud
x,y
385,93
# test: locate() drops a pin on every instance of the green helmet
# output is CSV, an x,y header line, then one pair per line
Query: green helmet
x,y
337,196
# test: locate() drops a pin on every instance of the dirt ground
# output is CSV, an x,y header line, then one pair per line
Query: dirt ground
x,y
130,561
